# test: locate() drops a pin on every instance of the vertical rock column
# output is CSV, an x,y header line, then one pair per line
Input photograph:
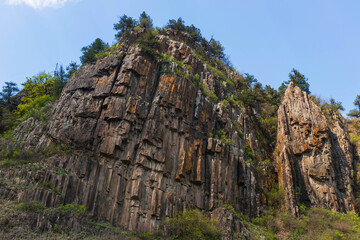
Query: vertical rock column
x,y
313,160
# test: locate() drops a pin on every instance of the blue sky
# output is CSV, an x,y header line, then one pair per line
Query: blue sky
x,y
265,38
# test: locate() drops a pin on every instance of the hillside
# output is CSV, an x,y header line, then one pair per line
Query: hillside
x,y
158,124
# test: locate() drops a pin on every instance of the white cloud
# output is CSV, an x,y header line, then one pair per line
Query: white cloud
x,y
39,3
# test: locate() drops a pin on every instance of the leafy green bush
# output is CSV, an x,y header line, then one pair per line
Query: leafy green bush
x,y
32,206
192,224
74,208
149,44
11,155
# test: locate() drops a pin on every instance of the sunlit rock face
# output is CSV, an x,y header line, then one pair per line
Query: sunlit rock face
x,y
313,155
145,142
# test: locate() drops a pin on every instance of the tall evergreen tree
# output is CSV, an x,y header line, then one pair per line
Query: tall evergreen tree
x,y
9,91
89,52
355,112
124,26
298,79
145,21
71,69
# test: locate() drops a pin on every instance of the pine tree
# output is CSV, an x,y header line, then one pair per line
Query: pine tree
x,y
298,79
145,21
124,26
356,112
9,90
89,52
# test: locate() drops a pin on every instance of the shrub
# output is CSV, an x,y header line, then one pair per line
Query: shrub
x,y
70,208
192,224
149,44
32,206
11,155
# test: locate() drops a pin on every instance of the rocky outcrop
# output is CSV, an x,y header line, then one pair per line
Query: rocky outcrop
x,y
313,155
147,142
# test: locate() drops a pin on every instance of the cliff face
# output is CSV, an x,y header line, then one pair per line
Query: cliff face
x,y
146,142
313,155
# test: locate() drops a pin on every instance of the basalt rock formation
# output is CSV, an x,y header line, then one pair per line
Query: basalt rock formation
x,y
149,139
313,155
146,142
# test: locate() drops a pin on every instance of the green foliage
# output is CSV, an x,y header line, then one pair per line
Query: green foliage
x,y
40,89
70,209
192,224
12,156
71,69
145,21
329,108
32,206
194,37
8,92
149,44
89,52
223,137
124,26
298,79
355,112
250,155
109,50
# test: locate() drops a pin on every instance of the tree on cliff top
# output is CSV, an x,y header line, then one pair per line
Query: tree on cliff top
x,y
9,90
145,21
356,112
89,52
298,79
124,26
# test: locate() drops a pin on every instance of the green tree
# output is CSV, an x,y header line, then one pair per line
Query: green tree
x,y
145,21
329,108
60,81
38,89
124,26
149,44
71,69
355,112
298,79
89,52
216,49
9,91
178,25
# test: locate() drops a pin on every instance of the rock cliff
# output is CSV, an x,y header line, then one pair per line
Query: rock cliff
x,y
148,141
146,138
313,155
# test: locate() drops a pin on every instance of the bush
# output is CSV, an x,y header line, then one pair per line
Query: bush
x,y
149,44
70,208
192,224
32,206
11,155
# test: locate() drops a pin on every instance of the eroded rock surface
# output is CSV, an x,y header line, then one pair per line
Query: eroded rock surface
x,y
146,144
313,155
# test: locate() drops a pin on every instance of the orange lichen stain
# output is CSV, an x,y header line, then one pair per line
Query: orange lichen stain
x,y
316,142
198,169
180,171
316,132
154,208
165,82
132,107
279,168
305,146
182,51
190,152
142,84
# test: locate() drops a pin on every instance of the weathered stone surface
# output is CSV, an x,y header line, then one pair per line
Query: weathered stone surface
x,y
145,144
313,155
